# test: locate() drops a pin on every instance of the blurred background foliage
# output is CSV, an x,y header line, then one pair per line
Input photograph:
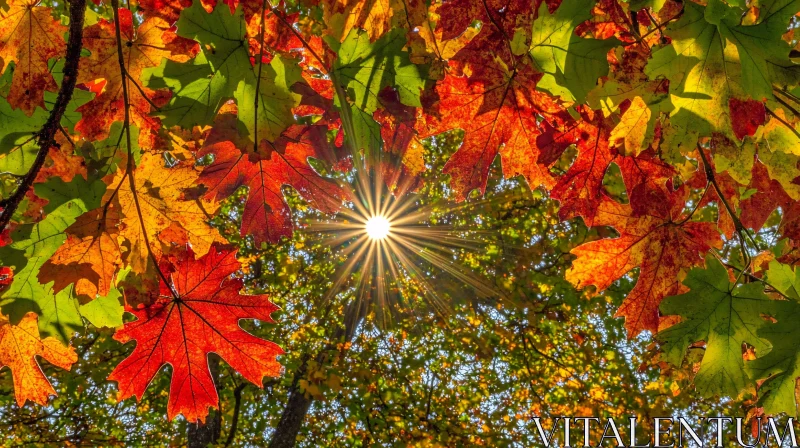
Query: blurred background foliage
x,y
471,374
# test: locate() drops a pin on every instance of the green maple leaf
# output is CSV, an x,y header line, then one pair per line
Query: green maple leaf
x,y
18,147
763,54
362,70
16,137
713,58
222,71
781,366
724,315
203,84
107,311
16,128
656,5
274,97
104,311
18,158
198,90
79,98
571,64
34,244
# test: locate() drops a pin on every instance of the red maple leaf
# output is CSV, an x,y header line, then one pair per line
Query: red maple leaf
x,y
266,215
491,95
197,313
402,160
580,189
768,195
746,116
497,112
661,246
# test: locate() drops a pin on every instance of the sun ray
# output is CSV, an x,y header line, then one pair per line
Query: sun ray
x,y
396,256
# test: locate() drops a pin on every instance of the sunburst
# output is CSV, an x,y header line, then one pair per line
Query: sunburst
x,y
378,227
395,256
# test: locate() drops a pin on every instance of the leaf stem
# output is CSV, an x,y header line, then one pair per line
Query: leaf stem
x,y
697,206
783,122
141,92
657,28
258,76
130,166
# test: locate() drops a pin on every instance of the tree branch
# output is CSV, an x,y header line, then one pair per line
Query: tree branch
x,y
783,122
45,138
297,404
237,395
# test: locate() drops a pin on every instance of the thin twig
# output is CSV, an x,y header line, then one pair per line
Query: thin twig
x,y
697,206
299,36
141,92
758,279
237,395
788,94
66,135
785,104
130,166
783,122
740,229
657,28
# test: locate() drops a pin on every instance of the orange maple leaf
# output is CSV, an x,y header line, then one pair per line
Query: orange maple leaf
x,y
402,162
580,189
29,37
266,214
19,346
372,16
491,95
89,257
143,47
497,112
661,246
164,197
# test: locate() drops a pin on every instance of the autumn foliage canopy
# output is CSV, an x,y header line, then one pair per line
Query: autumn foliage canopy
x,y
673,125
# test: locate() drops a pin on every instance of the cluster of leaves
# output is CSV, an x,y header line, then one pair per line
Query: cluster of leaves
x,y
673,125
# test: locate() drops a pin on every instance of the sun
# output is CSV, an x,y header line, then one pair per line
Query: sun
x,y
378,227
393,252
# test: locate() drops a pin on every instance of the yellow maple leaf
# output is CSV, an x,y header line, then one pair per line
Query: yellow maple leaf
x,y
373,16
89,257
19,346
163,196
634,132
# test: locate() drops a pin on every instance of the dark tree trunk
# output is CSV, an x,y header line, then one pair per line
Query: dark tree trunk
x,y
205,434
202,435
291,420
